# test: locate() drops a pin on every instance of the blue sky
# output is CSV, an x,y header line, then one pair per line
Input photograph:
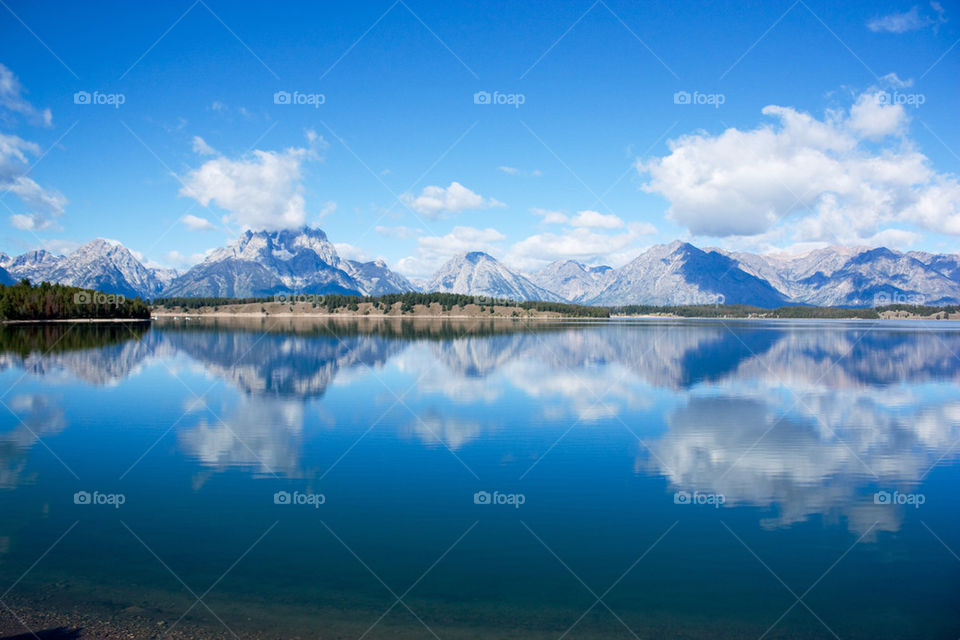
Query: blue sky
x,y
808,123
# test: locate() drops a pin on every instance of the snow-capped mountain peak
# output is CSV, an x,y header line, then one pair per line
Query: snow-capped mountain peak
x,y
263,263
480,274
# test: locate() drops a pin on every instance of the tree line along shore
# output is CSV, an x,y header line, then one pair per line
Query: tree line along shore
x,y
46,301
458,305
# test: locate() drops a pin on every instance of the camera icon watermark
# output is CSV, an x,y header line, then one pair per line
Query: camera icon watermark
x,y
96,97
697,98
490,301
297,298
885,299
699,498
98,297
497,498
299,98
895,497
300,499
498,98
699,298
99,499
893,98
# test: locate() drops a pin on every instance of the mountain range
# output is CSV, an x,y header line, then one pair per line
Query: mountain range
x,y
265,263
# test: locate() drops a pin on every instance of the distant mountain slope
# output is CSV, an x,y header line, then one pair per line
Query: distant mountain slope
x,y
841,276
679,273
36,266
376,278
264,263
99,264
479,274
946,263
106,266
572,280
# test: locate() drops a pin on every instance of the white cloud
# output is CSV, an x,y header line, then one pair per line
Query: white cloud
x,y
178,259
589,218
33,222
44,205
433,251
261,190
12,99
550,216
434,200
815,180
328,207
350,252
197,224
579,243
873,117
910,20
513,171
585,218
397,232
200,146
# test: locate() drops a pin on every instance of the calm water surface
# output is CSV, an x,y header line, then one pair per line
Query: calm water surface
x,y
679,479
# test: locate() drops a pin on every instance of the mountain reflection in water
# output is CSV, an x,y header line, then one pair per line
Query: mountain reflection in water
x,y
803,417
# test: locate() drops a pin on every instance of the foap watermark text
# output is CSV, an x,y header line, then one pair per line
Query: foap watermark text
x,y
299,499
510,99
697,98
898,498
497,498
299,98
99,98
699,498
97,498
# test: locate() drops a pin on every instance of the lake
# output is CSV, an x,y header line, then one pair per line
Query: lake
x,y
486,479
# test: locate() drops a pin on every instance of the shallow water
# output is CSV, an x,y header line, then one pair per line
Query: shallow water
x,y
656,478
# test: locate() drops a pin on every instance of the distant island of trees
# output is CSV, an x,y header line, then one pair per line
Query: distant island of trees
x,y
405,303
46,301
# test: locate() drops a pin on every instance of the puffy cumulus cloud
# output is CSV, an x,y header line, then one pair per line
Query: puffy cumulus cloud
x,y
589,218
433,251
261,190
874,117
586,218
850,177
44,205
434,200
589,236
550,216
911,20
13,100
579,243
197,223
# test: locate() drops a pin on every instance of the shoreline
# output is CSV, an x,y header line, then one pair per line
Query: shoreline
x,y
886,316
77,320
29,622
536,316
